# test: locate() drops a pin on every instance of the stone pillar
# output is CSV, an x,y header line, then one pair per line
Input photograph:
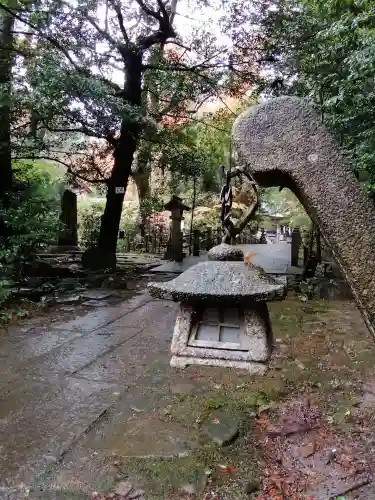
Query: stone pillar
x,y
209,239
68,233
295,246
278,232
176,207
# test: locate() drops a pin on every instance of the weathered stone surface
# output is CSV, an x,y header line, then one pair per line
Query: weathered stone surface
x,y
97,294
251,367
221,282
226,252
284,143
221,428
258,331
148,437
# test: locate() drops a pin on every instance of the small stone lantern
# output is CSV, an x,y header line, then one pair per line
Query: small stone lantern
x,y
176,207
223,318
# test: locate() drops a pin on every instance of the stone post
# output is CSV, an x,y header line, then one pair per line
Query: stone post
x,y
176,207
209,239
68,234
196,242
295,246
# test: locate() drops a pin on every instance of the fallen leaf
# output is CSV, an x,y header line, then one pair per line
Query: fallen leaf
x,y
300,365
227,469
215,421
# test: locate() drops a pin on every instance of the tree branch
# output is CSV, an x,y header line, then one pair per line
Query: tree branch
x,y
68,167
54,42
149,11
120,18
102,32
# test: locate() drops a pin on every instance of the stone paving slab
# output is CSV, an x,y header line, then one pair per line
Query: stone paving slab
x,y
42,410
40,420
72,356
142,316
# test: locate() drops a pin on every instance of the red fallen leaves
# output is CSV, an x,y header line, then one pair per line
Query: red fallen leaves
x,y
262,420
278,487
227,469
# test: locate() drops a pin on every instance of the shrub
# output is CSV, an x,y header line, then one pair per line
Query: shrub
x,y
30,221
89,219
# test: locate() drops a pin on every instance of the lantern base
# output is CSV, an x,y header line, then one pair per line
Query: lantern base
x,y
232,337
251,367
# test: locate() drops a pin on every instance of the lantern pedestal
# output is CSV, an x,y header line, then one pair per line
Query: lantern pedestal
x,y
231,337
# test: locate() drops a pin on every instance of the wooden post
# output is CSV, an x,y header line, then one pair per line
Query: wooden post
x,y
196,242
218,236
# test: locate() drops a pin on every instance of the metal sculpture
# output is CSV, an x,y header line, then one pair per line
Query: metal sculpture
x,y
231,231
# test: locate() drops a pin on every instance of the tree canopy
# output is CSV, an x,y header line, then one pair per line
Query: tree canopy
x,y
325,51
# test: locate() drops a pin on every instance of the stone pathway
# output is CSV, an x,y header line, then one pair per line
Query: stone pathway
x,y
61,373
88,401
274,258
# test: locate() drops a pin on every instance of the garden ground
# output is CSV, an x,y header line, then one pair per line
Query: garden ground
x,y
90,404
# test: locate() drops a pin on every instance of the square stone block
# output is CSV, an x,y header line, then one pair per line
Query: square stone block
x,y
223,336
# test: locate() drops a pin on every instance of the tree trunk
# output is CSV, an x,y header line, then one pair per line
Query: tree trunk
x,y
141,176
192,213
110,224
123,158
6,61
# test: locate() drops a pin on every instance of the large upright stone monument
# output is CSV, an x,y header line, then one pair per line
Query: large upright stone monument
x,y
68,235
283,143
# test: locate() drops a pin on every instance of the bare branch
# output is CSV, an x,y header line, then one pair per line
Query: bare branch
x,y
149,11
102,32
120,18
178,44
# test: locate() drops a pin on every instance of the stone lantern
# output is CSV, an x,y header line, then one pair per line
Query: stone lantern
x,y
177,208
223,318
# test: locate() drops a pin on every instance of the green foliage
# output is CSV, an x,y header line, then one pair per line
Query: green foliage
x,y
90,211
31,220
326,52
89,219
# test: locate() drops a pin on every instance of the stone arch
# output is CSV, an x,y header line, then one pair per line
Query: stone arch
x,y
283,143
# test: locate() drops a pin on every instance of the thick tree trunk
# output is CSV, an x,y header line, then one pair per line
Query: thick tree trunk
x,y
123,158
6,61
110,224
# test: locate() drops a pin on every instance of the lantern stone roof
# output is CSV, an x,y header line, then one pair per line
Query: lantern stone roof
x,y
225,252
220,282
176,203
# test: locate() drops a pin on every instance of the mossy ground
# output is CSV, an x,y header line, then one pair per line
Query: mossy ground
x,y
323,352
322,349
